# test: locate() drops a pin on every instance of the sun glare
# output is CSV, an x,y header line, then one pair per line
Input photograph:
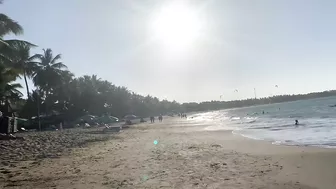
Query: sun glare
x,y
176,25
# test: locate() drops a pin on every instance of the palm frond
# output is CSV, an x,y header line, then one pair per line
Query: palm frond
x,y
30,68
34,57
59,65
7,74
11,90
6,51
10,49
48,55
16,44
14,85
57,57
3,43
8,26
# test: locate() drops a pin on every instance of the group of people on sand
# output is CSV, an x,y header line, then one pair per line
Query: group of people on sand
x,y
152,118
182,115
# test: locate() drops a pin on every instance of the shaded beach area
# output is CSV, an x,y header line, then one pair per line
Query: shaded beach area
x,y
173,154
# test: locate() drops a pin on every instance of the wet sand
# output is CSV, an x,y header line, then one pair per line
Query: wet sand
x,y
185,156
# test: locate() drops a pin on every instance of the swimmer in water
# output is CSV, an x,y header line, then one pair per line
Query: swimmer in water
x,y
296,122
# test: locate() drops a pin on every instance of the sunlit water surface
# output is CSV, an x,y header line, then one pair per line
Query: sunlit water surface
x,y
317,122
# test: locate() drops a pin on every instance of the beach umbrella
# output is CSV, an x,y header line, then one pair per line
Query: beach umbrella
x,y
107,119
129,117
115,118
86,118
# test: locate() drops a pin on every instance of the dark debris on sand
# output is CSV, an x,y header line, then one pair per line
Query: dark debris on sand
x,y
48,144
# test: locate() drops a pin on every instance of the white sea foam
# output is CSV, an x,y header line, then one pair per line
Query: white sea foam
x,y
317,122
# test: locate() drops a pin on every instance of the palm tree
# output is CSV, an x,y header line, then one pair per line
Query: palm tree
x,y
11,91
8,47
9,94
8,90
48,70
48,73
7,75
24,63
9,26
60,98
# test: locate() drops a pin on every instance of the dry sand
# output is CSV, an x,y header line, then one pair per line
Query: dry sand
x,y
186,156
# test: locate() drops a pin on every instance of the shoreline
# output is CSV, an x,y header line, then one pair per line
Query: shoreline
x,y
236,131
309,165
279,143
183,157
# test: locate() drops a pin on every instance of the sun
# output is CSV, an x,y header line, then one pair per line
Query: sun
x,y
176,25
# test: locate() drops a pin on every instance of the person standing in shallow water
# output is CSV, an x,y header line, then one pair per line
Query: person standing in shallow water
x,y
160,118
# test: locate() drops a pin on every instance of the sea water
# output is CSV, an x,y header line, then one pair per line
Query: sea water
x,y
276,122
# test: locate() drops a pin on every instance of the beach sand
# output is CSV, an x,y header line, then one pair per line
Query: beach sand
x,y
185,156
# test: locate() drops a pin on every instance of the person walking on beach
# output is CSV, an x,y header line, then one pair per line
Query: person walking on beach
x,y
160,118
152,118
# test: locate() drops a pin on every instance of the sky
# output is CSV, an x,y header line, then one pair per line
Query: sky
x,y
189,51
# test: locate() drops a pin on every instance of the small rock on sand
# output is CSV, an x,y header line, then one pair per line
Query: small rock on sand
x,y
38,145
216,146
5,172
215,165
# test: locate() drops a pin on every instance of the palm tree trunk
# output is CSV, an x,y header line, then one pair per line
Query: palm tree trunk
x,y
46,102
7,107
25,78
38,111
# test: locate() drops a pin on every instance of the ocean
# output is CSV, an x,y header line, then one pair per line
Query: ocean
x,y
317,122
